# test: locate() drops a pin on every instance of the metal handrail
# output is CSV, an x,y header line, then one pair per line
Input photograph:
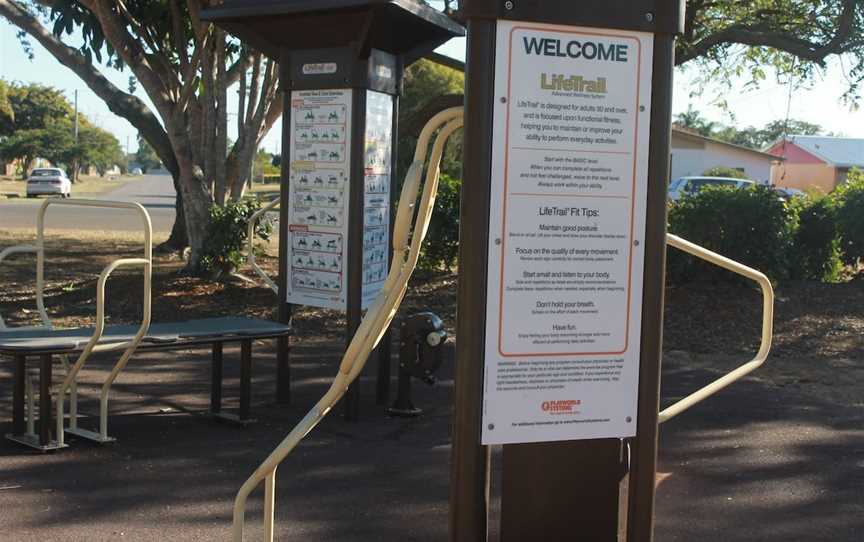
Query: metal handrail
x,y
406,252
250,243
767,326
92,346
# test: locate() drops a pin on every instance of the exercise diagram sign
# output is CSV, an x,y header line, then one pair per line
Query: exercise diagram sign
x,y
318,197
567,225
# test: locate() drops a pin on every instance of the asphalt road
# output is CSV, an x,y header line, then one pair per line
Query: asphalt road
x,y
155,192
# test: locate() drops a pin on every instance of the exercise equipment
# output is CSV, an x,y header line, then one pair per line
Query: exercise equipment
x,y
406,251
45,341
421,342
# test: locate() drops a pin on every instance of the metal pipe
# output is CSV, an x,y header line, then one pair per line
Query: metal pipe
x,y
92,345
406,253
250,243
767,326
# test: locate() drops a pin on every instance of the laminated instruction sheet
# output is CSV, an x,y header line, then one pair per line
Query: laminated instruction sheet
x,y
319,197
567,225
376,208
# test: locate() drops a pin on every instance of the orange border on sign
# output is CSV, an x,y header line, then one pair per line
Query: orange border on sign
x,y
506,194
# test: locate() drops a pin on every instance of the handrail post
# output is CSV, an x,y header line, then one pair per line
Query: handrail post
x,y
767,326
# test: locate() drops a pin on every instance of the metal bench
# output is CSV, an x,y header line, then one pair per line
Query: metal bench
x,y
45,344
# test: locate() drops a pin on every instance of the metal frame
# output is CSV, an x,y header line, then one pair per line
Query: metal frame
x,y
406,246
250,244
69,382
767,326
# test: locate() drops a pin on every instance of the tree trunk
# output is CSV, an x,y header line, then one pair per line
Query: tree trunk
x,y
178,240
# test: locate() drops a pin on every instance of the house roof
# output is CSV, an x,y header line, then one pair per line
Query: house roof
x,y
836,151
683,132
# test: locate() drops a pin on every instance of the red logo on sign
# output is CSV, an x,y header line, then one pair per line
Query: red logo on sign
x,y
561,407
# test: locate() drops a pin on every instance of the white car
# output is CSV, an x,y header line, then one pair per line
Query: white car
x,y
48,181
692,185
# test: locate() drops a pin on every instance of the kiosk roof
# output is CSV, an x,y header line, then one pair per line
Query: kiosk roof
x,y
399,27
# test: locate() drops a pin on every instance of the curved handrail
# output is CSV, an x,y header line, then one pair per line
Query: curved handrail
x,y
767,326
250,243
406,253
146,261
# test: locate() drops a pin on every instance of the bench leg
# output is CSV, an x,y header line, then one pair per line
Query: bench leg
x,y
18,392
45,399
216,380
245,378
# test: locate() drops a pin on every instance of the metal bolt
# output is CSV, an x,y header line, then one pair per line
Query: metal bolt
x,y
649,17
628,419
642,108
503,100
491,426
508,5
636,243
497,241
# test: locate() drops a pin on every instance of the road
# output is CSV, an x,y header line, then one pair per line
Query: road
x,y
154,192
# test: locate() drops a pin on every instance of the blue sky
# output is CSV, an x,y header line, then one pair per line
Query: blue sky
x,y
820,104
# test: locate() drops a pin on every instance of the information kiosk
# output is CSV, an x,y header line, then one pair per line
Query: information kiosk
x,y
341,65
562,251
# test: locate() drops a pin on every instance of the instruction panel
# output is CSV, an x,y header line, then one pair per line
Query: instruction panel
x,y
567,225
318,197
376,210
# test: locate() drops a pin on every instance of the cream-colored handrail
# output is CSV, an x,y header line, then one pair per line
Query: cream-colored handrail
x,y
146,262
250,243
406,253
767,325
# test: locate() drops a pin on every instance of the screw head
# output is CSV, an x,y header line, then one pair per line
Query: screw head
x,y
636,243
491,426
628,419
642,108
497,241
508,5
649,17
503,100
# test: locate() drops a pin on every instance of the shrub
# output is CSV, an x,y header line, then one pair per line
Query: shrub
x,y
224,251
753,226
816,253
723,171
442,240
849,201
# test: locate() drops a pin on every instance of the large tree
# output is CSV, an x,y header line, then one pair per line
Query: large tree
x,y
186,67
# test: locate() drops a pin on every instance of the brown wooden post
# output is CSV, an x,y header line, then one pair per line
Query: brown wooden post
x,y
599,489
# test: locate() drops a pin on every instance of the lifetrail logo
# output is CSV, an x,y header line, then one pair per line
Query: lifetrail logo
x,y
589,50
573,83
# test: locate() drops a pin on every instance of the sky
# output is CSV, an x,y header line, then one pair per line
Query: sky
x,y
819,104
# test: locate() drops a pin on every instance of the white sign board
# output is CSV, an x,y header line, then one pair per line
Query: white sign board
x,y
376,209
319,197
567,225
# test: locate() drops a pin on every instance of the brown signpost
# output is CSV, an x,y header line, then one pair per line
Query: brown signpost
x,y
562,252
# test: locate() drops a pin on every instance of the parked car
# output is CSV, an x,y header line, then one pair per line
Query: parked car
x,y
48,181
789,193
692,185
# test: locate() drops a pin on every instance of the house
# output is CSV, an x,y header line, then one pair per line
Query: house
x,y
819,162
694,154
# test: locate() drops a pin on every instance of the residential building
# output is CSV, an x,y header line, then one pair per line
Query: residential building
x,y
694,154
818,162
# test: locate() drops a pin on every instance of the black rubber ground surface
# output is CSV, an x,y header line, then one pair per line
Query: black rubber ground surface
x,y
757,463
